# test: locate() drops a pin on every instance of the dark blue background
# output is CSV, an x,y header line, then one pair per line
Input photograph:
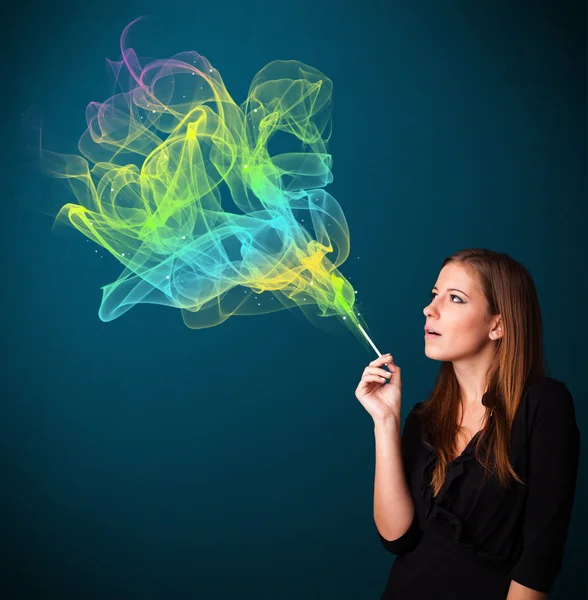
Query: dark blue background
x,y
142,459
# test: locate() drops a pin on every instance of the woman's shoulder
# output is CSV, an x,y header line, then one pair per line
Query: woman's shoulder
x,y
547,397
543,396
413,412
543,381
546,387
412,419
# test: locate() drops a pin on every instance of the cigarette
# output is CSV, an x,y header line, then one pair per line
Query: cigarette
x,y
370,341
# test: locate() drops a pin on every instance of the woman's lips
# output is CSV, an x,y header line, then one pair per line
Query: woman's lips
x,y
429,336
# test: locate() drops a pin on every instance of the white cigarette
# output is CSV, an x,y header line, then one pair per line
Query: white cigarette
x,y
370,341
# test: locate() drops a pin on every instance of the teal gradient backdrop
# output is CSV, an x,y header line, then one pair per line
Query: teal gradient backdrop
x,y
142,459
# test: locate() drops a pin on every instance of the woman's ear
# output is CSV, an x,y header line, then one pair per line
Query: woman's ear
x,y
497,331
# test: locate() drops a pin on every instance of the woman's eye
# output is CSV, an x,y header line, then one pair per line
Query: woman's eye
x,y
433,294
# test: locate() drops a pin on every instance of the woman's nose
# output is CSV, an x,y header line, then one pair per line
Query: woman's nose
x,y
428,310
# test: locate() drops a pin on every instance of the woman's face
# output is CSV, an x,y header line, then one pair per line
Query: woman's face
x,y
459,312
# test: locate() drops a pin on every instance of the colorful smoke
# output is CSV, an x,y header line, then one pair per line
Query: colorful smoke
x,y
160,164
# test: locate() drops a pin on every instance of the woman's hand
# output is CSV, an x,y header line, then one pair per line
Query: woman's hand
x,y
382,401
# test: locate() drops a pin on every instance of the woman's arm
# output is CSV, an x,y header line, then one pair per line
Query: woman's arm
x,y
516,591
553,466
393,506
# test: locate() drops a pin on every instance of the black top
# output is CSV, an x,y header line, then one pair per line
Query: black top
x,y
470,541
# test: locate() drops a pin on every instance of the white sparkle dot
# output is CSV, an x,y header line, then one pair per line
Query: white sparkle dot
x,y
245,166
303,220
123,253
183,237
167,276
153,111
356,291
95,250
259,304
344,317
210,70
255,110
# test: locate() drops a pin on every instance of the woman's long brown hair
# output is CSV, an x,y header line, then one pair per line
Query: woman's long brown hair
x,y
510,292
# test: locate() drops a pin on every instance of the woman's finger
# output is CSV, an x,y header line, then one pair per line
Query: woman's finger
x,y
381,360
377,371
376,378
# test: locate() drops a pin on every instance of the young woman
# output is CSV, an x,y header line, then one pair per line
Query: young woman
x,y
475,497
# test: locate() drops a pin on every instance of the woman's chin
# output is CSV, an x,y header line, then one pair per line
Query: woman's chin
x,y
432,353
